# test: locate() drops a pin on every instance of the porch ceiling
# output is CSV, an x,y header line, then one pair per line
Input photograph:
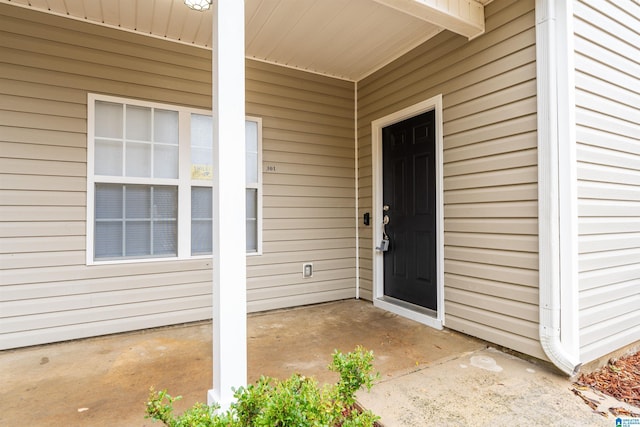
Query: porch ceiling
x,y
348,39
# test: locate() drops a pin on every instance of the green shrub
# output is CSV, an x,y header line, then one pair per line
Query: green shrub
x,y
297,401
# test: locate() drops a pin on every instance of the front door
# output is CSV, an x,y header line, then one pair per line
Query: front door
x,y
409,198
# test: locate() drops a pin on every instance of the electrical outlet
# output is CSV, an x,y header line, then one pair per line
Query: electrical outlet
x,y
307,270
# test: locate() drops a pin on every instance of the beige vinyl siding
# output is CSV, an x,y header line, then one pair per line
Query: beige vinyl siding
x,y
308,187
490,175
48,64
607,60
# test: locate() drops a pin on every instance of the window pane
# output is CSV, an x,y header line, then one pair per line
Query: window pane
x,y
252,235
108,158
165,161
108,240
135,221
138,160
108,120
201,220
251,141
165,202
138,202
138,238
201,146
165,238
252,220
138,123
165,126
108,201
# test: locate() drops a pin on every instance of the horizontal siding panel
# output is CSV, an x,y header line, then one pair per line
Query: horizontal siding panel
x,y
83,330
271,269
614,308
610,258
591,172
57,304
296,300
489,116
308,212
42,152
307,202
510,242
41,259
491,330
42,229
513,160
500,226
43,183
604,225
493,210
627,327
595,190
489,303
306,180
488,148
310,234
87,286
503,129
97,314
525,175
608,276
35,213
502,96
521,192
26,135
608,242
41,244
607,157
600,138
298,190
603,208
42,198
517,276
515,259
55,108
594,350
305,223
605,294
305,159
601,120
308,245
66,273
297,289
507,291
44,167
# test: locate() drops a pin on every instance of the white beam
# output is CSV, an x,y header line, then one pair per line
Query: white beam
x,y
464,17
229,226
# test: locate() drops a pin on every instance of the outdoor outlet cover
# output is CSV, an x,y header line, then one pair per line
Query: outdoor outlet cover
x,y
307,270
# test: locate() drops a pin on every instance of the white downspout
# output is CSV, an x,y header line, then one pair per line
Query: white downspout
x,y
551,134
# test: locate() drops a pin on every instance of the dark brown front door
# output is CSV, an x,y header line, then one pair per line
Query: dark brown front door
x,y
408,163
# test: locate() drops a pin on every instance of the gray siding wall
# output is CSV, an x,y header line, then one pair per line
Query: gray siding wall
x,y
48,64
490,178
607,61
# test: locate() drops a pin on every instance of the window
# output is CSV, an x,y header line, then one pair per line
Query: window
x,y
149,181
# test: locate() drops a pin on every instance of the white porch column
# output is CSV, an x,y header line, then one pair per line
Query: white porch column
x,y
229,225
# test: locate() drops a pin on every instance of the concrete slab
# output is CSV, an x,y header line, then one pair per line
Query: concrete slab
x,y
104,381
484,388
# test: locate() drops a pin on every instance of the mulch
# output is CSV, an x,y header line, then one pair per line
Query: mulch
x,y
620,378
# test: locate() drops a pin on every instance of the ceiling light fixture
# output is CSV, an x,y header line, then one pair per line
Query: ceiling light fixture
x,y
199,5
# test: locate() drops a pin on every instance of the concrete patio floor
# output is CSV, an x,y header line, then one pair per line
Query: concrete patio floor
x,y
428,377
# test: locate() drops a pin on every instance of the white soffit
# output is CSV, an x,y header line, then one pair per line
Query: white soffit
x,y
348,39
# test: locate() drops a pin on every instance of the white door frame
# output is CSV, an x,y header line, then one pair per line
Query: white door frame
x,y
425,316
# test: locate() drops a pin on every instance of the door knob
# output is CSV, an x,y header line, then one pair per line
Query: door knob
x,y
385,208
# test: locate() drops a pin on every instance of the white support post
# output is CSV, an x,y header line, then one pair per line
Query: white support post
x,y
229,225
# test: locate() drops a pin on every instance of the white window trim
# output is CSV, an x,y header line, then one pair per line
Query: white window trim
x,y
183,182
